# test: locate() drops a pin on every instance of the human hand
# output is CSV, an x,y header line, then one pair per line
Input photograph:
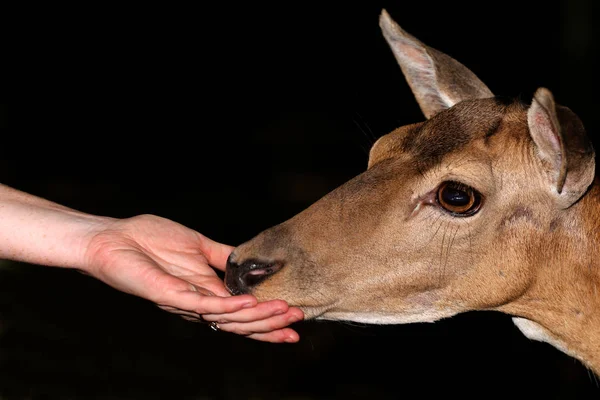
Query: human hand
x,y
170,264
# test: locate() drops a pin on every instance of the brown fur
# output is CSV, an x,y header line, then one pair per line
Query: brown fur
x,y
380,248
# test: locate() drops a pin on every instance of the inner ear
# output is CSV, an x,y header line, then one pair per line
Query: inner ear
x,y
563,146
437,80
545,132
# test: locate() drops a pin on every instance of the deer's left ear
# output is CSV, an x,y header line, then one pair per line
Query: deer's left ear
x,y
563,146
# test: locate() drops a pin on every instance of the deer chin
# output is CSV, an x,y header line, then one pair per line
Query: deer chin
x,y
380,309
411,313
377,318
418,307
312,308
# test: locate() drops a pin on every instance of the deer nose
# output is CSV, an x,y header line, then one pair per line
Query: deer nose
x,y
243,276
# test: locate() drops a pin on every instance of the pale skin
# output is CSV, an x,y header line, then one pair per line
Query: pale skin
x,y
148,256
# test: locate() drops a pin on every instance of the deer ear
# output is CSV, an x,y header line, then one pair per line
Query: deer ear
x,y
437,80
563,146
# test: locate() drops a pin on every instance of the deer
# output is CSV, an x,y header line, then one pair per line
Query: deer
x,y
489,204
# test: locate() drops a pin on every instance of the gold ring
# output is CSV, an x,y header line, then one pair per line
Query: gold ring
x,y
214,326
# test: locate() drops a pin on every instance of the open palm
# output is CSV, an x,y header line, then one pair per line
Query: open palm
x,y
170,265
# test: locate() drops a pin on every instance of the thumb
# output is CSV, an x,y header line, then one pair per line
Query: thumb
x,y
216,253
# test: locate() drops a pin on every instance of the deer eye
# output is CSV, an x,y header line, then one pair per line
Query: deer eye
x,y
458,199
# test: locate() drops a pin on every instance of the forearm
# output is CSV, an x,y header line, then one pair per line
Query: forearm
x,y
38,231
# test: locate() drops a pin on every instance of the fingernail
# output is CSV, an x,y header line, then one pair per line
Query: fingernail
x,y
290,339
279,312
248,305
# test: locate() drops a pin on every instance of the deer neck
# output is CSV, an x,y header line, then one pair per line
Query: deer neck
x,y
562,306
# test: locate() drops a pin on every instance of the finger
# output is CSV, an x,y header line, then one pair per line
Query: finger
x,y
261,311
154,287
267,325
285,335
195,302
177,311
209,286
192,319
216,253
202,290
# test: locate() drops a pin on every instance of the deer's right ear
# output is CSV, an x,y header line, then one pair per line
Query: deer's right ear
x,y
563,146
437,80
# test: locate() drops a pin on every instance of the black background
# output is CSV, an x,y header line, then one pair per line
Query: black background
x,y
230,119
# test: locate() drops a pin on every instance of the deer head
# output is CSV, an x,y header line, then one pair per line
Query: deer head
x,y
456,213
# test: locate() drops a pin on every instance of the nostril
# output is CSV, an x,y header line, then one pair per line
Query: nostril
x,y
259,268
252,272
242,277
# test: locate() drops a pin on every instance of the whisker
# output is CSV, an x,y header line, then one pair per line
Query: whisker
x,y
442,252
369,140
472,260
371,136
437,230
449,247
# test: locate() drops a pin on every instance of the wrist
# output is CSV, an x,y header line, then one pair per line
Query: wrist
x,y
84,228
47,234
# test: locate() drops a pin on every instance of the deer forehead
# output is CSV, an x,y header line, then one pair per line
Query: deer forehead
x,y
473,125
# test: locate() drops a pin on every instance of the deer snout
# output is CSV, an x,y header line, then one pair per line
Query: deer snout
x,y
242,277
